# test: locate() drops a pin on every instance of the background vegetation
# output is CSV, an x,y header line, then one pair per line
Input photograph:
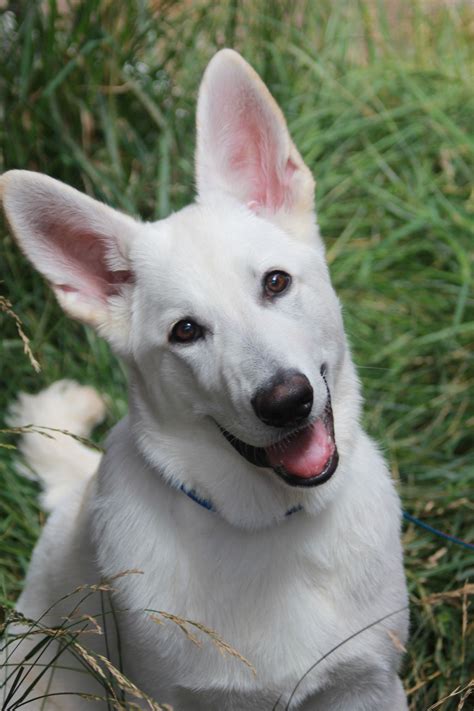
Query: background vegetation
x,y
379,98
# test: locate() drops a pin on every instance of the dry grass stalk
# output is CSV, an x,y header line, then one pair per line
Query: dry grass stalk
x,y
396,641
127,686
423,682
114,703
84,617
105,586
97,663
452,596
91,661
7,308
464,692
44,432
184,624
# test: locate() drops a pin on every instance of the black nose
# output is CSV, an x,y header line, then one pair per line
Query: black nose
x,y
285,400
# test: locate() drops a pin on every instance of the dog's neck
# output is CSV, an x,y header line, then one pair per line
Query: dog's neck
x,y
188,454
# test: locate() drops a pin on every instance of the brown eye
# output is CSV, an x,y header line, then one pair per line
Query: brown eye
x,y
276,282
186,331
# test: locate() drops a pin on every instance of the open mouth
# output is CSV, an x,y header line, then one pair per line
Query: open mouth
x,y
305,457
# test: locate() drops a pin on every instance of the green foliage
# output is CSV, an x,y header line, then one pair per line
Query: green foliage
x,y
379,100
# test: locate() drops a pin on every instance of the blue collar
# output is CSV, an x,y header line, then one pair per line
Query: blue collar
x,y
192,493
207,503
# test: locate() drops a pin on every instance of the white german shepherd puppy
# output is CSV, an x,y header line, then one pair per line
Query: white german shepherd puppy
x,y
241,483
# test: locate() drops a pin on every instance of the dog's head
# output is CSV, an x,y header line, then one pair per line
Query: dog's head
x,y
224,311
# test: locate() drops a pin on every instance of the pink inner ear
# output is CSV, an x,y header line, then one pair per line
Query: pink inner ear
x,y
253,146
82,257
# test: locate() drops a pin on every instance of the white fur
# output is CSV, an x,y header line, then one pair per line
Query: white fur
x,y
282,590
58,460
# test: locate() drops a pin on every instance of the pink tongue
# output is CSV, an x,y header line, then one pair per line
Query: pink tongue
x,y
305,455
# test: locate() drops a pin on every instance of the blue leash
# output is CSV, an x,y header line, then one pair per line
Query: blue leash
x,y
437,532
209,506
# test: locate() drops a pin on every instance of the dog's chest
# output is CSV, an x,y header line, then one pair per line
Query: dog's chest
x,y
281,597
274,601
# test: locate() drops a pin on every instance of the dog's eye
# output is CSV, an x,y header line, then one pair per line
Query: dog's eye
x,y
276,283
186,331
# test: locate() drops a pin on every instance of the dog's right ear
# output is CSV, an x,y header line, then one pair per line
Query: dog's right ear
x,y
80,245
244,148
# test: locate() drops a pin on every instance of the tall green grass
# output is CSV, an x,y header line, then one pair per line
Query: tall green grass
x,y
379,98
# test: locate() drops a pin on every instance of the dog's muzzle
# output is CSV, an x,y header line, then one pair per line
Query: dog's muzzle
x,y
307,456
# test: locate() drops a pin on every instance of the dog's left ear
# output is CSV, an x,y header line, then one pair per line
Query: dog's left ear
x,y
244,148
80,245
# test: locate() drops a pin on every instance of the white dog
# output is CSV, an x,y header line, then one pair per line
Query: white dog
x,y
241,483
